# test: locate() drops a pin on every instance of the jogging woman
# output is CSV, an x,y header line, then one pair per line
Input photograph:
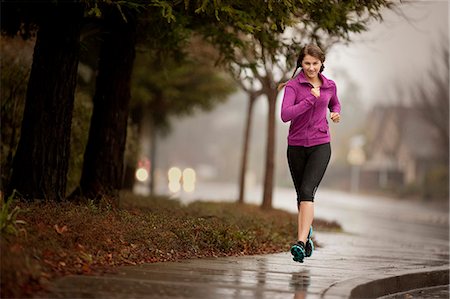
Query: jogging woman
x,y
306,99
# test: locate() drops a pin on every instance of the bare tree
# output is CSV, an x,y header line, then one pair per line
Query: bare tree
x,y
257,80
253,94
433,100
259,72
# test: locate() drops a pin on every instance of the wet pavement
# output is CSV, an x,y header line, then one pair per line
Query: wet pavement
x,y
425,293
384,242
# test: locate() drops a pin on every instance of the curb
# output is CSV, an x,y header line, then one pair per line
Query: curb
x,y
381,285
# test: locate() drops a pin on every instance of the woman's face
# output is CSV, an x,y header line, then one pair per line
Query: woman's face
x,y
311,66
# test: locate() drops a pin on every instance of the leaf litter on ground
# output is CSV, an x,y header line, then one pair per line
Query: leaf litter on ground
x,y
72,238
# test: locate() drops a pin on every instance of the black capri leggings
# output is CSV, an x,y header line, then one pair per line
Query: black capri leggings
x,y
307,166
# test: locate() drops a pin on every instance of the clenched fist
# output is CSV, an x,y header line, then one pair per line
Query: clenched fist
x,y
335,117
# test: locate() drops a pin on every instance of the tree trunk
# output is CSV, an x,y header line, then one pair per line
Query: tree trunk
x,y
153,147
270,151
41,161
251,102
128,177
104,155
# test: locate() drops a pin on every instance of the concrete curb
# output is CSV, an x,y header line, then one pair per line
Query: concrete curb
x,y
381,285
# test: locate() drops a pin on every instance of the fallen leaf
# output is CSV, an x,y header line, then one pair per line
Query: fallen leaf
x,y
86,268
60,230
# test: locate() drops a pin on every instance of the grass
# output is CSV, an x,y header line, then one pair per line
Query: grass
x,y
51,240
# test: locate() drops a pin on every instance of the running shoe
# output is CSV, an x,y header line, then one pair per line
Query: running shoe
x,y
298,251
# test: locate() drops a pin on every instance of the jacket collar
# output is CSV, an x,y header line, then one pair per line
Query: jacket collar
x,y
301,78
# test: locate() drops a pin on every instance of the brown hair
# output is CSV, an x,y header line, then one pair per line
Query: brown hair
x,y
312,50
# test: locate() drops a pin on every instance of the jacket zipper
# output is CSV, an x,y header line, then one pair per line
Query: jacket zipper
x,y
309,131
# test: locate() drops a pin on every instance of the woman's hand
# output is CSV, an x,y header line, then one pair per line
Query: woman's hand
x,y
335,117
315,91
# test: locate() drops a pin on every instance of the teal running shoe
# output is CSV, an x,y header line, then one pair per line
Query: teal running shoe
x,y
298,251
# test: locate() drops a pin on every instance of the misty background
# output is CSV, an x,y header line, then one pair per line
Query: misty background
x,y
392,79
377,69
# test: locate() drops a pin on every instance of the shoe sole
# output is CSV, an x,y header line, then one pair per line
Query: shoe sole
x,y
298,253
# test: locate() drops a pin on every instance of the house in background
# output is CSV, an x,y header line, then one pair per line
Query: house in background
x,y
401,148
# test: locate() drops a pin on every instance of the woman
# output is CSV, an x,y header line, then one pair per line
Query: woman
x,y
306,99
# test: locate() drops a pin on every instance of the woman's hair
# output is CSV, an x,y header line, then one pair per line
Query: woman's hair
x,y
312,50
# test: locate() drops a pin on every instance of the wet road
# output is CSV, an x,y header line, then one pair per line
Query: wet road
x,y
383,239
411,221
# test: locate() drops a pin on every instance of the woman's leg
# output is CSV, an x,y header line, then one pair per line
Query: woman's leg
x,y
305,219
297,158
314,170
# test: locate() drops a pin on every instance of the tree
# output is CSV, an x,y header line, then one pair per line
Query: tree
x,y
219,23
434,101
164,87
226,36
319,22
58,26
40,164
15,70
107,134
58,23
253,94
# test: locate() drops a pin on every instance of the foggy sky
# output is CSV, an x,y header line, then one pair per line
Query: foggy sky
x,y
395,52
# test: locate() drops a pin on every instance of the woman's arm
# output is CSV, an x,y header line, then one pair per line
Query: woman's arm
x,y
334,105
289,110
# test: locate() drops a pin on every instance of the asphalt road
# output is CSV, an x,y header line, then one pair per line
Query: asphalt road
x,y
357,213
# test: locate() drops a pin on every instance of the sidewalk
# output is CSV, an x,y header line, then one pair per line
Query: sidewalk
x,y
344,262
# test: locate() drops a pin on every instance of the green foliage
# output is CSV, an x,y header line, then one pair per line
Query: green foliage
x,y
94,11
166,10
169,87
8,217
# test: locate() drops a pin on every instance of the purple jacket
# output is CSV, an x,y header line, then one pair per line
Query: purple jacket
x,y
308,115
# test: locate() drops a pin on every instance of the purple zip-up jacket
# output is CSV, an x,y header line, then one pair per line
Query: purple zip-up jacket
x,y
308,114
